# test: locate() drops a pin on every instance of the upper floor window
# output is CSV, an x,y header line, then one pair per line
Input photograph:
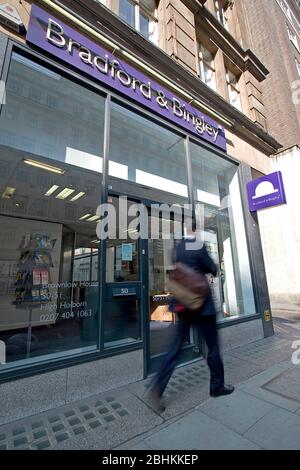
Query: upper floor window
x,y
220,13
292,37
233,90
141,15
207,67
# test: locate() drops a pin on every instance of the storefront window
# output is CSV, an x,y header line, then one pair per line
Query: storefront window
x,y
216,186
146,153
53,117
50,179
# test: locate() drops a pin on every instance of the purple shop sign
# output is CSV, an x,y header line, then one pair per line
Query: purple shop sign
x,y
65,43
266,191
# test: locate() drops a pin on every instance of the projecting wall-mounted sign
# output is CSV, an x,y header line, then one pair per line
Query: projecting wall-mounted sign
x,y
266,191
9,16
58,39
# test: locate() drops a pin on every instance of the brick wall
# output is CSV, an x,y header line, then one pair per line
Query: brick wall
x,y
265,28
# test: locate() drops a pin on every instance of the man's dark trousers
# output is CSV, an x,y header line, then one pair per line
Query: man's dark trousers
x,y
208,327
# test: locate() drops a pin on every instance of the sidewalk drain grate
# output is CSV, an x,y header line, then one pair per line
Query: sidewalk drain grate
x,y
196,376
54,428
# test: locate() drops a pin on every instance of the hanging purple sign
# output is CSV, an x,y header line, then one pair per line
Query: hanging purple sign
x,y
266,191
60,40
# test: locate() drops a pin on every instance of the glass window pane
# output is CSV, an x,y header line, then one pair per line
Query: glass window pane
x,y
207,55
126,11
144,25
216,187
234,97
232,78
122,261
49,249
121,322
143,152
122,312
210,78
52,119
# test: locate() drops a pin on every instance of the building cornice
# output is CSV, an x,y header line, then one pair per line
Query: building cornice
x,y
110,25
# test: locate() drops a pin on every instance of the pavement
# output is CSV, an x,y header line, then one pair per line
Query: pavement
x,y
262,413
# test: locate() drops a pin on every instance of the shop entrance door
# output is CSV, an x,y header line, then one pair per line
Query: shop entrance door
x,y
123,310
136,306
161,321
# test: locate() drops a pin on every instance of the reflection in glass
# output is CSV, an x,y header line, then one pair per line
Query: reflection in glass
x,y
146,153
52,116
122,314
216,186
162,320
126,11
49,250
121,322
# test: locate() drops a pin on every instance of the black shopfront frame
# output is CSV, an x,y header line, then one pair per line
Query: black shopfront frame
x,y
47,365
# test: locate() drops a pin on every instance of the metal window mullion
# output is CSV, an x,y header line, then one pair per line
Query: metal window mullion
x,y
102,248
189,174
137,17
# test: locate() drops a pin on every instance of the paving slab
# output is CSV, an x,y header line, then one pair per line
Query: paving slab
x,y
197,431
101,422
278,430
266,352
286,384
239,411
189,385
256,387
16,400
238,370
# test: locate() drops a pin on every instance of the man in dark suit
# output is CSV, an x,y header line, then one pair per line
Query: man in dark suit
x,y
189,252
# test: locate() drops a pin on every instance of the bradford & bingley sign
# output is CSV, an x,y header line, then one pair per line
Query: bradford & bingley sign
x,y
60,40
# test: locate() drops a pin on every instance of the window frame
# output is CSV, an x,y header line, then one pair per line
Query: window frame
x,y
140,9
210,65
235,87
293,37
220,13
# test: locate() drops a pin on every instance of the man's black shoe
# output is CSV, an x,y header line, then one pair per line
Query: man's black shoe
x,y
226,390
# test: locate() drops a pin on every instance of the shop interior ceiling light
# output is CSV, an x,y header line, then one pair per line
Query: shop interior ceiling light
x,y
8,192
94,218
44,166
75,198
86,216
51,190
65,193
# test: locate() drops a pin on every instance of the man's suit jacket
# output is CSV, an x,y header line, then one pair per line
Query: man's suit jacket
x,y
200,261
